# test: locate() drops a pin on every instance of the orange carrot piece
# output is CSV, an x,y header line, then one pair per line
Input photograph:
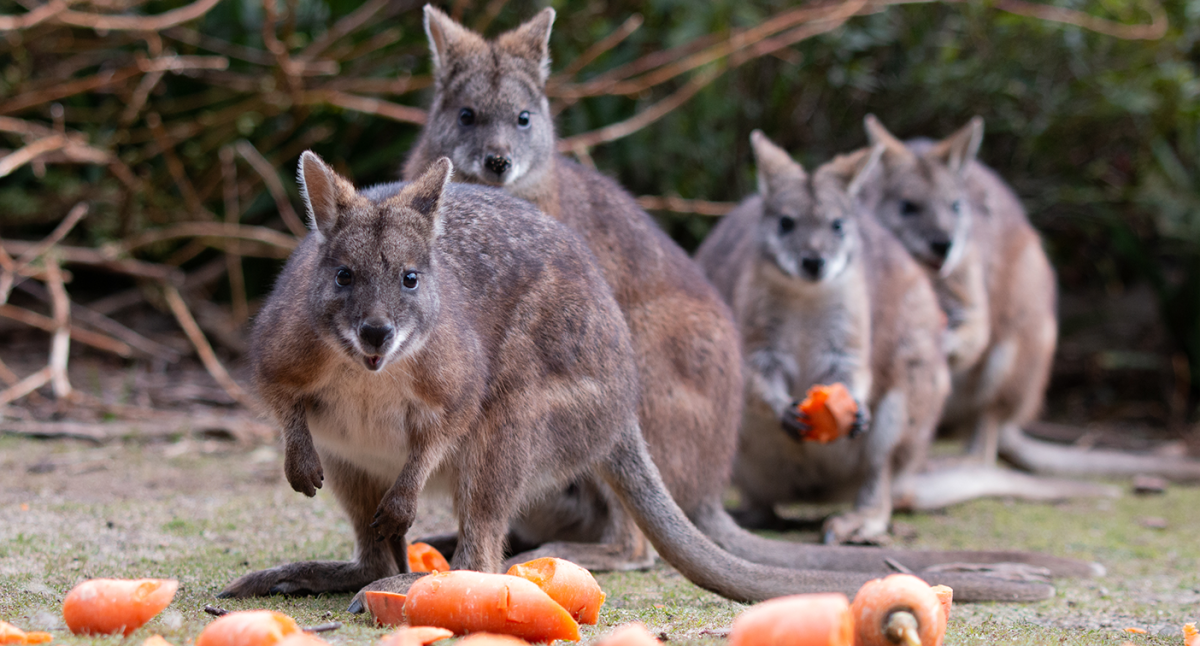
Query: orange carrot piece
x,y
469,602
797,620
248,628
898,609
1191,636
38,638
830,411
414,636
302,639
1136,631
632,634
386,607
156,640
423,557
106,606
10,634
492,639
945,595
573,587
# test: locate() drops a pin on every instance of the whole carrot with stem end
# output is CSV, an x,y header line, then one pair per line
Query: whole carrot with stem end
x,y
898,610
572,586
106,606
797,620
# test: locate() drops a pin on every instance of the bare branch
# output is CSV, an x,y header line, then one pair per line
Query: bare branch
x,y
274,187
610,41
60,343
207,356
25,386
1157,28
28,153
393,111
37,15
102,22
47,324
266,236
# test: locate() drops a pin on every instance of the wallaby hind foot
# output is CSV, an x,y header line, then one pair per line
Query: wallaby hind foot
x,y
1039,456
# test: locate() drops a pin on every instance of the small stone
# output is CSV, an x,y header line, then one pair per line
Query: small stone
x,y
1149,485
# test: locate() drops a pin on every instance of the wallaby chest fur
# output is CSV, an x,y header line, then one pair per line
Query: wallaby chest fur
x,y
860,312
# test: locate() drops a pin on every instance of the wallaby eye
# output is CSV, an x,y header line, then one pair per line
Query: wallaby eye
x,y
956,206
343,277
466,117
786,224
837,225
523,119
410,280
909,208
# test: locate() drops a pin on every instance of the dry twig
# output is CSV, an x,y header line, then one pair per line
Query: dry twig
x,y
207,356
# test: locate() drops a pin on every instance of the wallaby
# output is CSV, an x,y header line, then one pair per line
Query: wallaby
x,y
490,115
998,289
823,294
456,338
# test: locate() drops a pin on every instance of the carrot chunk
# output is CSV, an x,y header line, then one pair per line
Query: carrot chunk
x,y
10,634
469,602
414,636
386,607
632,634
38,638
491,639
830,412
898,610
156,640
106,606
248,628
423,557
302,639
797,620
573,587
1191,636
945,595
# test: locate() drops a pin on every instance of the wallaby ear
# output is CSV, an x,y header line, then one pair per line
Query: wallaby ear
x,y
424,194
863,169
960,149
531,41
775,166
878,135
321,189
445,37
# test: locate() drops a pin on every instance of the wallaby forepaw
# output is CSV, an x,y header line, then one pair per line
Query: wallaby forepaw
x,y
794,422
394,516
856,529
862,420
303,470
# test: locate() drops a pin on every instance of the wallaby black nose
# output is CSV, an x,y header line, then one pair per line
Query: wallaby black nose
x,y
812,266
940,248
375,336
497,164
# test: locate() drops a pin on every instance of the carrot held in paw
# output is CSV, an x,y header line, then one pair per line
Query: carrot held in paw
x,y
423,557
829,412
414,635
898,610
468,602
386,607
248,628
106,606
797,620
634,634
573,587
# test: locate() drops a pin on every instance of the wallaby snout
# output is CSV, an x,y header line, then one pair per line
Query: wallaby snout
x,y
497,164
812,266
375,334
940,248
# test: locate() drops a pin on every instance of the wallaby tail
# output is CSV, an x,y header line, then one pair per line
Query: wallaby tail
x,y
716,523
631,473
1045,457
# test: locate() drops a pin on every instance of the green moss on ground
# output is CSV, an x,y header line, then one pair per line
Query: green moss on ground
x,y
205,512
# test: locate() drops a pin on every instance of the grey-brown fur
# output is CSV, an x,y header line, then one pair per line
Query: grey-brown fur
x,y
823,294
998,290
685,343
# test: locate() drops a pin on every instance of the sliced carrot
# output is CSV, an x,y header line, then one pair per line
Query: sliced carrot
x,y
156,640
1136,631
573,587
38,638
469,602
633,634
830,412
302,639
386,607
492,639
798,620
106,606
10,634
897,610
1191,636
248,628
423,557
414,636
945,595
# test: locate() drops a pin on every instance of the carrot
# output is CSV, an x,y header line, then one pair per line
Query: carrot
x,y
1191,636
945,595
467,602
10,634
248,628
423,557
386,607
106,606
897,610
414,636
633,634
830,411
798,620
156,640
573,587
492,639
302,639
